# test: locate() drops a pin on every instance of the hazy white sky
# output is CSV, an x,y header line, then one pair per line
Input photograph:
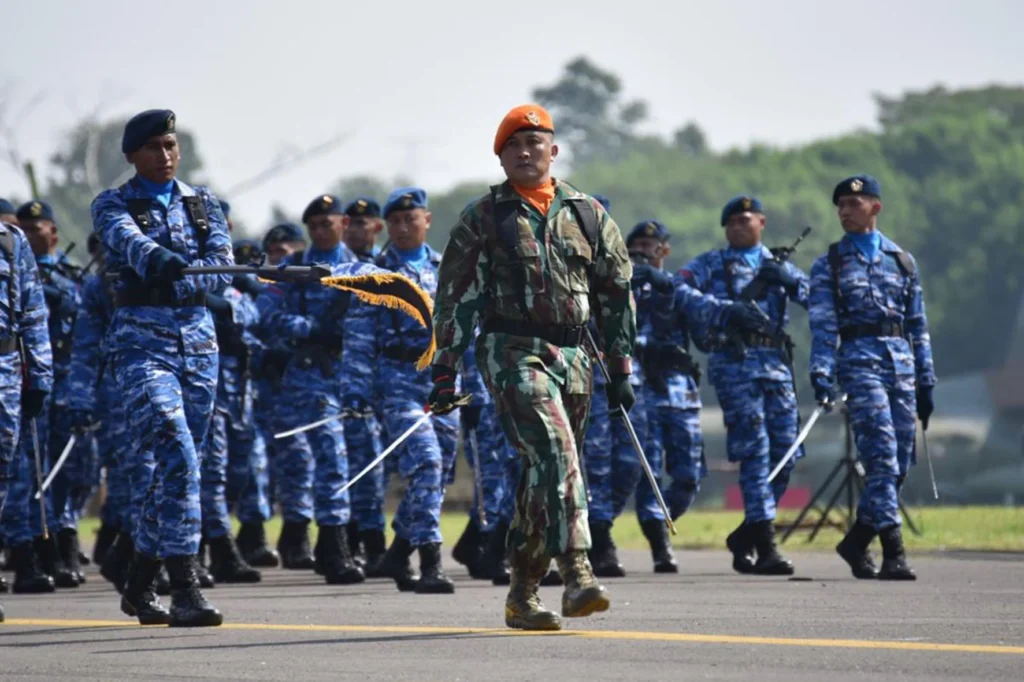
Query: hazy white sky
x,y
421,86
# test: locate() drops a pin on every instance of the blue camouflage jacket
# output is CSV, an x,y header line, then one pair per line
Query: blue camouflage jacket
x,y
62,301
127,246
88,350
663,319
23,313
869,293
724,274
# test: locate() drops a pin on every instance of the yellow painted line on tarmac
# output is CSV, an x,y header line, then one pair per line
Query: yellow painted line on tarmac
x,y
621,635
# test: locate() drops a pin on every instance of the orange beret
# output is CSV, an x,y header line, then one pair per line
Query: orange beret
x,y
523,117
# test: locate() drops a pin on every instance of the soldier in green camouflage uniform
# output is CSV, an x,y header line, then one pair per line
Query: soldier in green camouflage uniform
x,y
527,262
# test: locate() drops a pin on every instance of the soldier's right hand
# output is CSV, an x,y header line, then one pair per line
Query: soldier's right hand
x,y
165,265
355,403
745,315
80,419
620,393
824,393
32,401
443,394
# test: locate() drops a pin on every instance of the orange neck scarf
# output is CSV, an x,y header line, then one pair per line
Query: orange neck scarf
x,y
540,198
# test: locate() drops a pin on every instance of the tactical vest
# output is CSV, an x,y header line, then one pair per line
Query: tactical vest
x,y
835,264
9,344
138,209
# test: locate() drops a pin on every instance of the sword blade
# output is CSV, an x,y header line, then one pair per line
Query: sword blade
x,y
928,456
478,481
804,432
308,427
391,448
57,465
39,479
650,472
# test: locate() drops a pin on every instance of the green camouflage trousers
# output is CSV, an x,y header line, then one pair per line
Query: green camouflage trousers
x,y
542,393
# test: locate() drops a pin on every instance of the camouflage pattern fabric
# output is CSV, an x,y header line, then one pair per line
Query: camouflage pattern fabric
x,y
612,465
363,442
879,373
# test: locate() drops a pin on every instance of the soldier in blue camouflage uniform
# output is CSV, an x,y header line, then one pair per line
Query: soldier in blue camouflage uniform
x,y
379,346
312,466
164,354
866,299
751,369
37,221
363,433
25,382
481,548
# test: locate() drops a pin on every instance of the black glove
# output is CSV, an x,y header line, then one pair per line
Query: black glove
x,y
53,295
471,416
824,393
620,393
32,401
658,278
329,337
651,363
925,405
745,315
80,419
273,362
355,403
775,272
218,305
247,285
443,394
165,265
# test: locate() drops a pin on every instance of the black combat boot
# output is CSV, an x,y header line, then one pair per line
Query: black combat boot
x,y
432,578
396,566
493,563
29,577
70,553
188,606
375,544
467,549
139,599
227,565
252,543
1,614
51,563
104,540
894,559
162,584
3,585
741,543
552,578
661,548
355,543
769,561
603,556
119,557
334,558
206,580
854,550
293,546
583,594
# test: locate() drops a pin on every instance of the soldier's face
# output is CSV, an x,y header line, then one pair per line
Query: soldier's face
x,y
408,229
9,218
158,159
858,213
41,234
361,233
649,250
278,251
526,158
743,230
325,231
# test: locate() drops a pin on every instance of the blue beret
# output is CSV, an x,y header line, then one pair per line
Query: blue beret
x,y
603,200
325,204
403,199
858,184
283,232
143,126
7,207
35,210
246,250
363,206
648,228
225,207
741,204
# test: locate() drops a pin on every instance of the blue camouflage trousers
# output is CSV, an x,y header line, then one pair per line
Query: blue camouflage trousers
x,y
883,415
494,454
114,442
311,467
169,402
248,485
10,424
762,422
676,438
609,460
363,441
22,519
424,460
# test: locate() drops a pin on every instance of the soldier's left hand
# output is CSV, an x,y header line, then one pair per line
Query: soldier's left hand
x,y
80,419
659,279
443,394
32,401
925,405
620,393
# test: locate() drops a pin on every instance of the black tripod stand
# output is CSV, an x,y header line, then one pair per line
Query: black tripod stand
x,y
850,474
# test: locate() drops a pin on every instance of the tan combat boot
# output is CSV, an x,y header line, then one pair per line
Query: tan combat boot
x,y
583,595
523,609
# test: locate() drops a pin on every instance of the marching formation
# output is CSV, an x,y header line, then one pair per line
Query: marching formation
x,y
199,378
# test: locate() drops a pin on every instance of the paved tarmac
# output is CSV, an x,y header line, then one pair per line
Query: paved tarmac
x,y
962,620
